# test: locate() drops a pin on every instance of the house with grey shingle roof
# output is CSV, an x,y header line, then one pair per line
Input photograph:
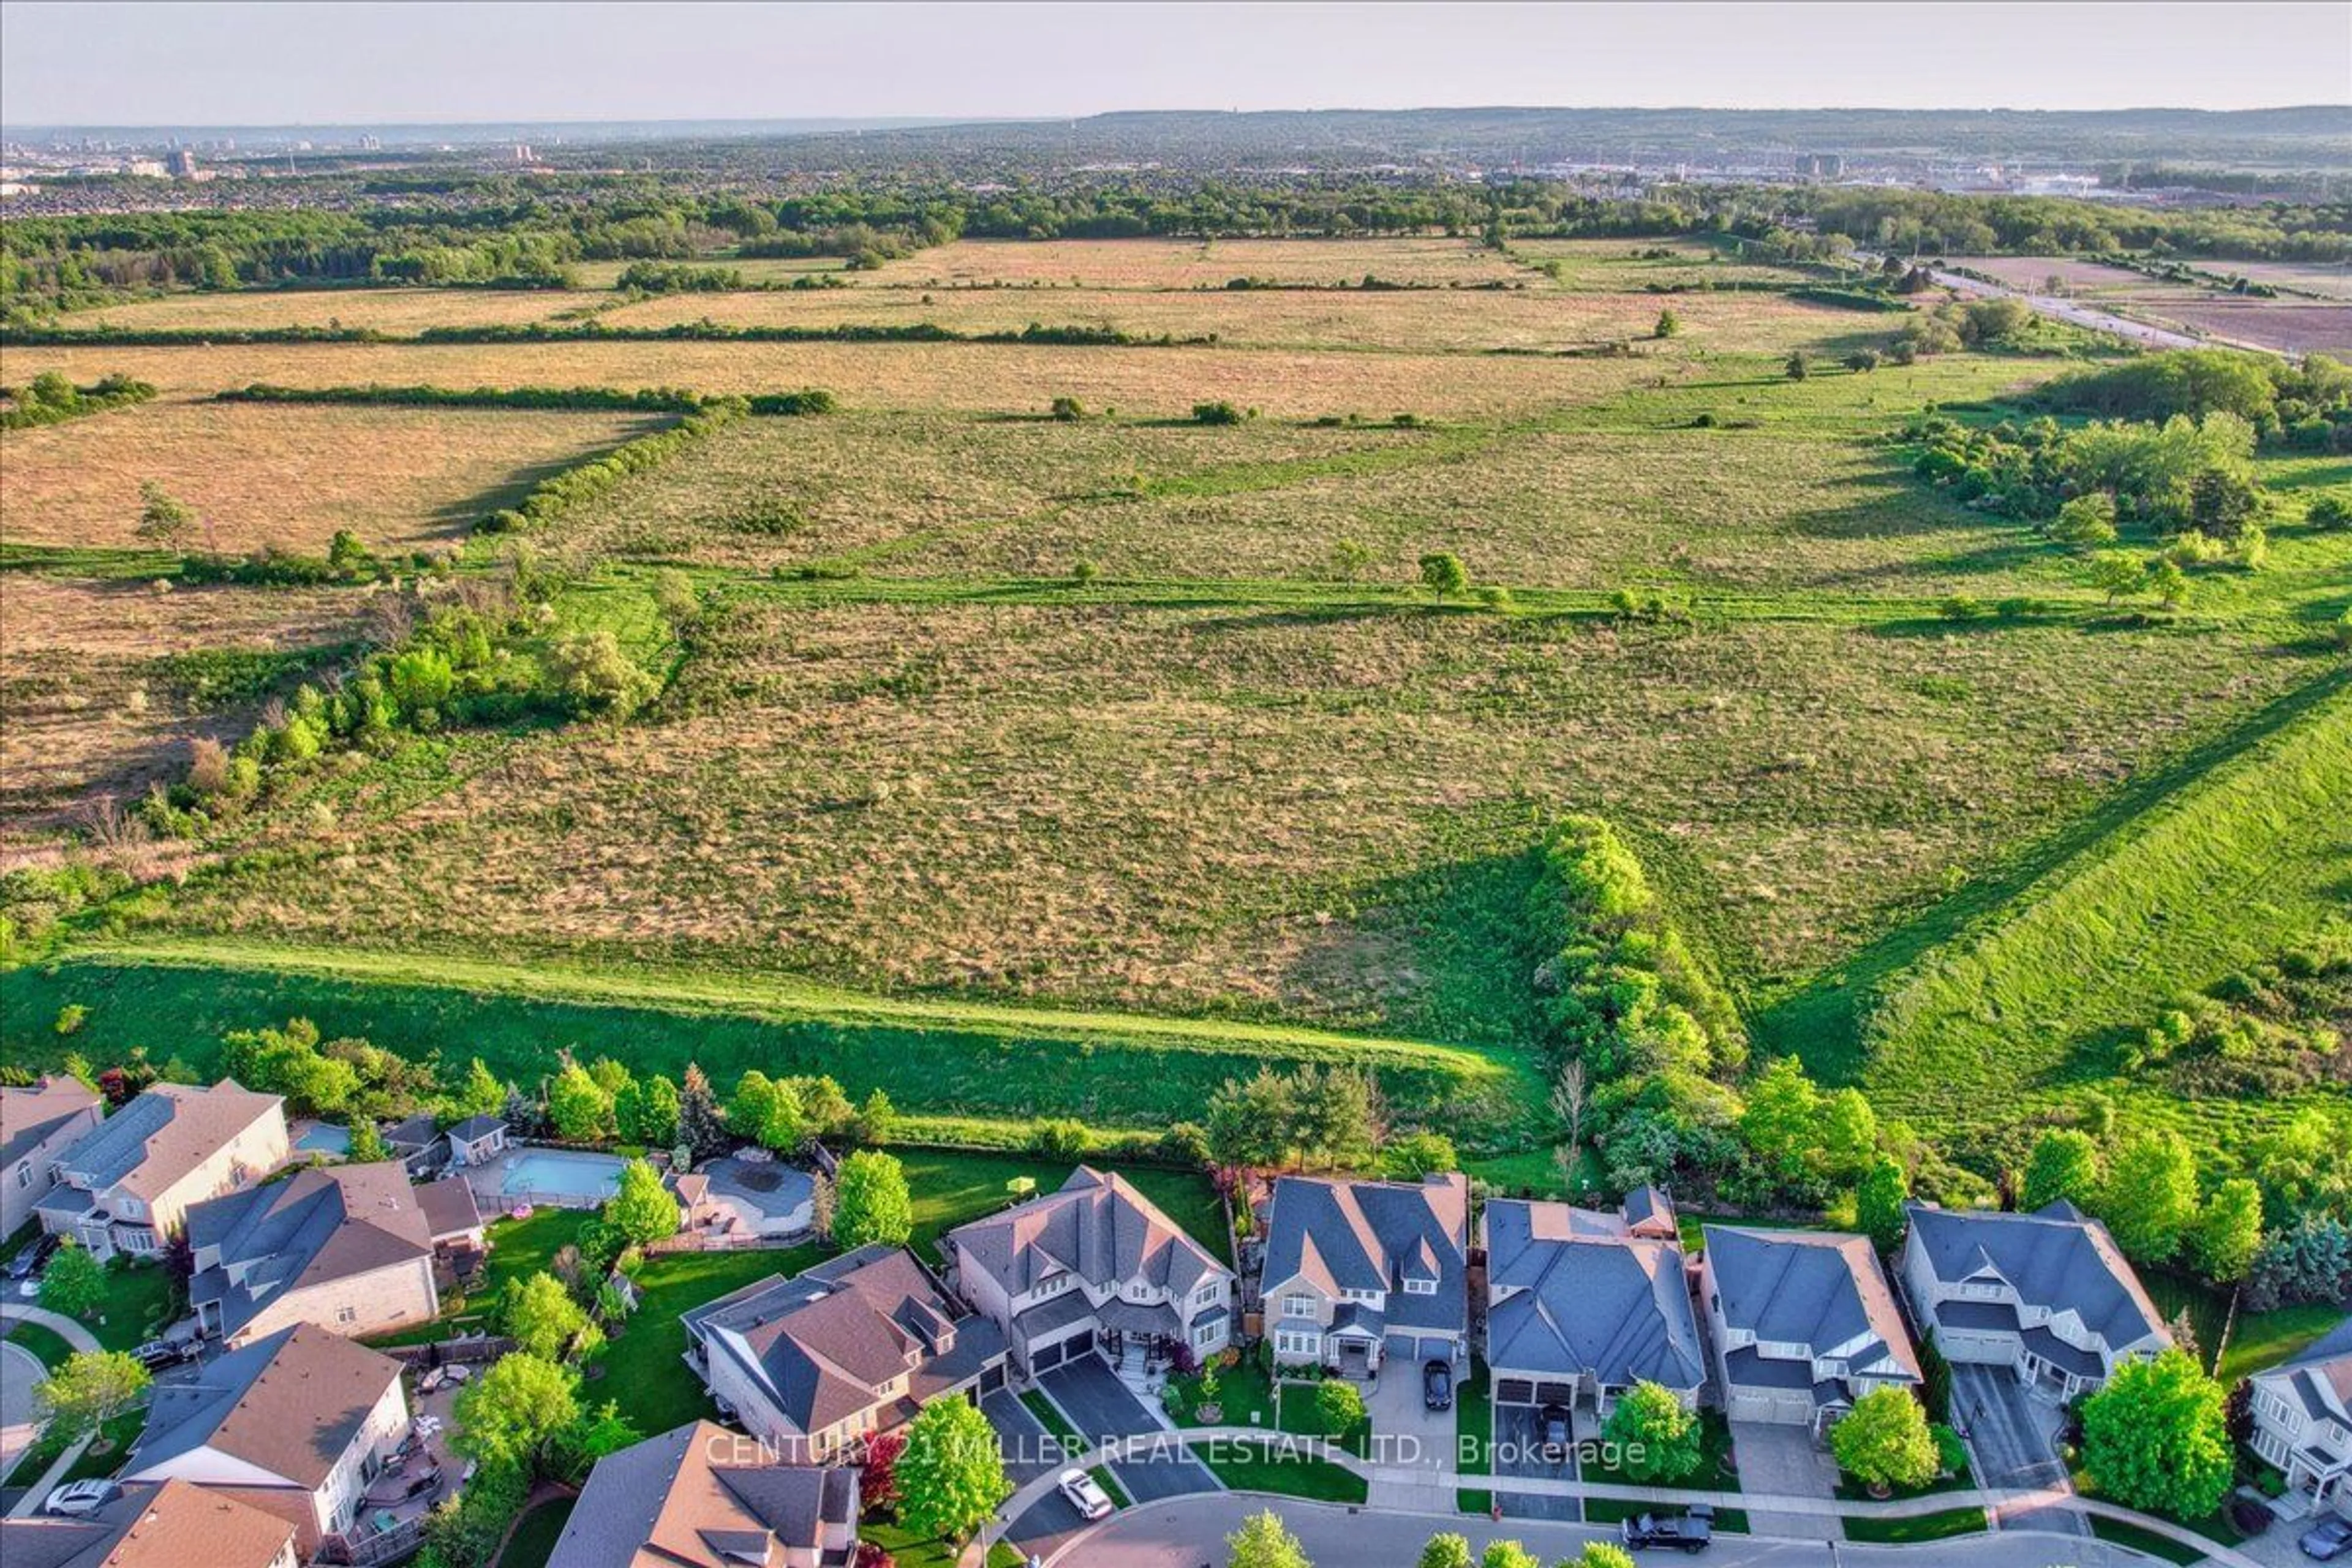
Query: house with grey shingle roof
x,y
297,1424
37,1123
1358,1271
2047,1294
1095,1266
350,1247
1579,1306
700,1496
814,1365
2303,1417
1803,1324
127,1183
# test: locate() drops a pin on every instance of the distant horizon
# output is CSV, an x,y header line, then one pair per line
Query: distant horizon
x,y
121,63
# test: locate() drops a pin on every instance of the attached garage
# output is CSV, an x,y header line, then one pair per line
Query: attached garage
x,y
1515,1390
1778,1407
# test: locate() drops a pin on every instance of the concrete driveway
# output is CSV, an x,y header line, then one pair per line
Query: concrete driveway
x,y
1785,1461
2012,1443
1100,1407
1413,1445
1518,1451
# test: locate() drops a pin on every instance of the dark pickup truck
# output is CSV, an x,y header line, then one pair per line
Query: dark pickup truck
x,y
1690,1532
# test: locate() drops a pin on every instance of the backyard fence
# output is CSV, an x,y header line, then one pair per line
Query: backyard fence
x,y
469,1349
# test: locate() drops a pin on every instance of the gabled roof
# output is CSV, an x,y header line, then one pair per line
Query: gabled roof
x,y
30,1117
2321,1377
290,1403
413,1133
1613,1306
449,1205
163,1134
824,1341
1810,1288
324,1224
2057,1257
474,1129
1097,1228
168,1526
699,1497
1374,1235
1650,1212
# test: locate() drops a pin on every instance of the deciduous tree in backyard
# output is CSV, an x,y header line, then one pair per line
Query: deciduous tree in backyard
x,y
870,1202
641,1209
2230,1232
578,1106
2156,1437
1878,1204
540,1315
1264,1542
950,1474
1883,1441
766,1112
367,1143
2150,1196
2064,1164
518,1412
1657,1440
73,1283
480,1094
91,1389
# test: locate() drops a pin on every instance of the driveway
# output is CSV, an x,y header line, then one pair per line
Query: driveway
x,y
1100,1407
2013,1439
1412,1445
1785,1461
1518,1451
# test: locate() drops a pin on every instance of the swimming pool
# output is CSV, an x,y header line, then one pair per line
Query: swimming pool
x,y
325,1138
553,1175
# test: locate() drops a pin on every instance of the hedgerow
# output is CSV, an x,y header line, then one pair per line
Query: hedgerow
x,y
51,399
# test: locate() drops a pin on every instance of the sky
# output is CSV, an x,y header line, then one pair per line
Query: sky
x,y
290,63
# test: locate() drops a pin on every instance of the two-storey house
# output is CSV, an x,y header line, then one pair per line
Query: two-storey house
x,y
1579,1306
2046,1294
1095,1266
37,1125
2303,1419
700,1496
296,1424
1358,1271
172,1525
348,1248
815,1364
1803,1324
126,1184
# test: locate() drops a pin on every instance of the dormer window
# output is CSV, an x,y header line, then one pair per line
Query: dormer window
x,y
1420,1286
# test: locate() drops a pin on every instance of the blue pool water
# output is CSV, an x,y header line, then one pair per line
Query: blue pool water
x,y
326,1139
560,1172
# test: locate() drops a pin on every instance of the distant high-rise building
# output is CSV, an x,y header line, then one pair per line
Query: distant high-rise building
x,y
182,164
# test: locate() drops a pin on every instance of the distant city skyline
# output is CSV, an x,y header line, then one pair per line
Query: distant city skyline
x,y
234,64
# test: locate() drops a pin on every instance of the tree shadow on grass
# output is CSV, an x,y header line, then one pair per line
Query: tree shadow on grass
x,y
464,513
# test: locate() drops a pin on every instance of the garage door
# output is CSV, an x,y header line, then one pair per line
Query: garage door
x,y
1555,1394
1045,1356
1781,1407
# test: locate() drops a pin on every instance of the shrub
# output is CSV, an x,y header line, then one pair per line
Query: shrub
x,y
1060,1137
1217,412
1068,409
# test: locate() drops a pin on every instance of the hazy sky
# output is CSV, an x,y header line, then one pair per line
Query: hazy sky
x,y
280,63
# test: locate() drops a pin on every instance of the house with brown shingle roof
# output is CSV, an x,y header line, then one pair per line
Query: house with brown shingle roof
x,y
814,1365
127,1183
1096,1267
37,1123
700,1496
1358,1271
350,1247
296,1424
174,1525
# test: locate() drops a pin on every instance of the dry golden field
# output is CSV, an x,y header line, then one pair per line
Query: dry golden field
x,y
382,309
2290,326
1195,264
401,479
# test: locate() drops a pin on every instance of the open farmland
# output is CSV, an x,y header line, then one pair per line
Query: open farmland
x,y
1022,765
2287,326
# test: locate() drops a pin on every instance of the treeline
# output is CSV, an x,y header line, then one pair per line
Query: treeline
x,y
2306,407
52,399
559,492
644,400
705,331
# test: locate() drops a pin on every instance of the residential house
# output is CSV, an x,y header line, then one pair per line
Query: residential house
x,y
348,1248
1095,1266
296,1424
2303,1419
172,1525
37,1125
477,1141
126,1184
1579,1306
700,1496
814,1365
742,1198
416,1142
1803,1324
1357,1271
2047,1294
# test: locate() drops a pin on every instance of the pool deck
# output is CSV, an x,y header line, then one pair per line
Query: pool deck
x,y
493,1196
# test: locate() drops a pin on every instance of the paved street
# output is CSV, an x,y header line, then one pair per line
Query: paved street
x,y
1191,1531
2011,1437
20,1369
1100,1407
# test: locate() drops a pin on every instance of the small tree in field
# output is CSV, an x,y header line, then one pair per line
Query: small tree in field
x,y
92,1389
870,1202
1442,574
1883,1441
1668,324
163,521
1657,1439
73,1283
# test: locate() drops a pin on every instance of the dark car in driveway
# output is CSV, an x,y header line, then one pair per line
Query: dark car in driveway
x,y
157,1354
1691,1533
1437,1384
2327,1540
1555,1430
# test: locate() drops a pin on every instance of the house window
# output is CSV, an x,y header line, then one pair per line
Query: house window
x,y
136,1241
347,1314
130,1208
1205,1294
1420,1286
1206,1334
1298,1306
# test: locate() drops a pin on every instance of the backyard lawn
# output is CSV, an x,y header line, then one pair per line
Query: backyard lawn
x,y
645,1373
534,1538
140,1304
950,1186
